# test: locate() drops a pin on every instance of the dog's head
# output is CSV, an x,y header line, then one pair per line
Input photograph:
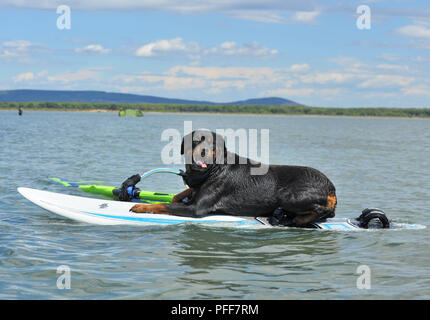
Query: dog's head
x,y
203,149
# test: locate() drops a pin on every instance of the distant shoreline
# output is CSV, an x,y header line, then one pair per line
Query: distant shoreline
x,y
293,110
230,113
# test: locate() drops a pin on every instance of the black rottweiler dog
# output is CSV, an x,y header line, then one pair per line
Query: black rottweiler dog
x,y
219,185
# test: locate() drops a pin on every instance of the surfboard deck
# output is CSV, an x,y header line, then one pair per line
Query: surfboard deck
x,y
109,212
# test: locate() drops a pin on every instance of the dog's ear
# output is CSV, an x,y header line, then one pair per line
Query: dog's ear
x,y
188,136
220,146
220,149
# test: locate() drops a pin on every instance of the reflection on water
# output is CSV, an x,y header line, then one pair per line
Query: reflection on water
x,y
210,248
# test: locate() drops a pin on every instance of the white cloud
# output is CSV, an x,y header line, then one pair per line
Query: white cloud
x,y
212,79
250,73
166,82
195,51
27,76
300,67
225,84
20,44
295,80
93,49
305,17
30,76
386,80
179,83
269,11
267,16
389,57
22,51
387,66
414,31
42,74
326,77
231,48
16,48
80,75
164,46
420,90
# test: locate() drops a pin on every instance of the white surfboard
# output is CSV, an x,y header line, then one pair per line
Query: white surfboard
x,y
108,212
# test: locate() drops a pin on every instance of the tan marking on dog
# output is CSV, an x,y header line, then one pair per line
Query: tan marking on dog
x,y
145,208
331,201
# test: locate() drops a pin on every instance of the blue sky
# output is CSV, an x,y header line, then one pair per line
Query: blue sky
x,y
310,51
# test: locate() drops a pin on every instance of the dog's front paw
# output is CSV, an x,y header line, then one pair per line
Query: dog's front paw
x,y
140,208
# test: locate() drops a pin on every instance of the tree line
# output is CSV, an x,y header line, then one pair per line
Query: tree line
x,y
253,109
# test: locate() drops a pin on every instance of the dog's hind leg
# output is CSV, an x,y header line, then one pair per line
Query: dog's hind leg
x,y
292,219
318,213
305,210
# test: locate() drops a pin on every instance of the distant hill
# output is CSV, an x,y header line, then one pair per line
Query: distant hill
x,y
28,95
270,101
85,96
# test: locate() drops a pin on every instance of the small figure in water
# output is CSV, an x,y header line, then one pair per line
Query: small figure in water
x,y
20,111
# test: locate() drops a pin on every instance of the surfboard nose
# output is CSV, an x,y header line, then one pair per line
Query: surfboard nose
x,y
23,191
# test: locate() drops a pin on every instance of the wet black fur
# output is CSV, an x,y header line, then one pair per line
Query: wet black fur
x,y
231,189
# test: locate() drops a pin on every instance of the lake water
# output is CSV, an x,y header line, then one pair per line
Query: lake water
x,y
373,162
